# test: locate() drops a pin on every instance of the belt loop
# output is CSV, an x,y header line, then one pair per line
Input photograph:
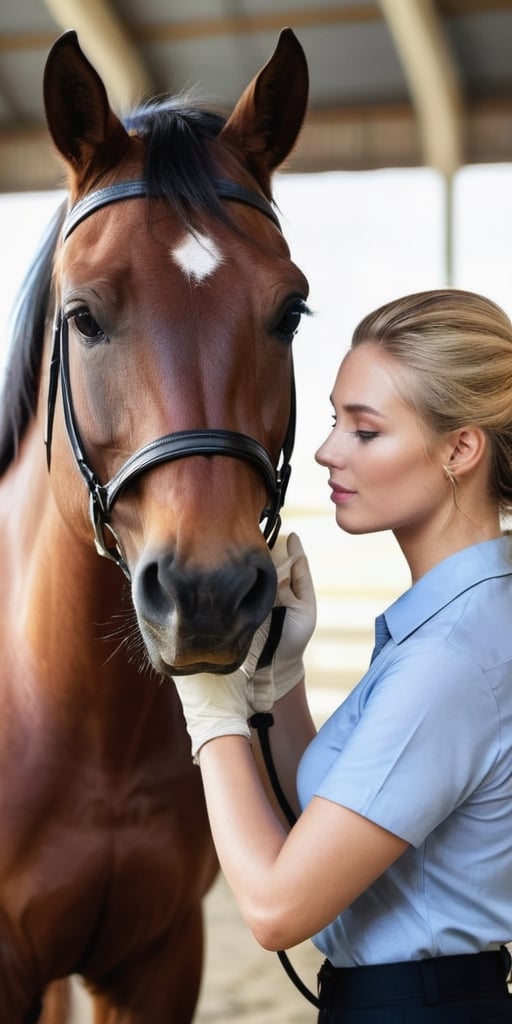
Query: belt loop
x,y
429,982
325,989
507,961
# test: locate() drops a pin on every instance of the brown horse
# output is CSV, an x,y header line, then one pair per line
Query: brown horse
x,y
153,349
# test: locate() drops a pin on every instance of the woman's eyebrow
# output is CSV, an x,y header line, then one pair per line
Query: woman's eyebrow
x,y
361,407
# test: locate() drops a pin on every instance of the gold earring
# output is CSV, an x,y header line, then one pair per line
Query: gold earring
x,y
451,475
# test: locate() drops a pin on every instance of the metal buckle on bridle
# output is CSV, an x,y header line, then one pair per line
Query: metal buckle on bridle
x,y
100,523
272,513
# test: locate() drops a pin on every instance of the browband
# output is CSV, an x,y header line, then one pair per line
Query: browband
x,y
138,189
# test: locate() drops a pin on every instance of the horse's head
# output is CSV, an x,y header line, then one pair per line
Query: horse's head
x,y
176,305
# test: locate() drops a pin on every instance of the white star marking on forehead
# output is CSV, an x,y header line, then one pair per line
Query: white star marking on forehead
x,y
198,256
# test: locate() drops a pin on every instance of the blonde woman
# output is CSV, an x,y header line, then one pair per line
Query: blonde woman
x,y
400,863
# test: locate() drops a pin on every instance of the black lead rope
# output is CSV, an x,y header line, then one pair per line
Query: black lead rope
x,y
262,722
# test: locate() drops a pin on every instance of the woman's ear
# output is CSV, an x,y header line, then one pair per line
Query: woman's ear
x,y
467,448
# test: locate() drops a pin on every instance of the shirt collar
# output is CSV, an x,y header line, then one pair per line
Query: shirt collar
x,y
446,581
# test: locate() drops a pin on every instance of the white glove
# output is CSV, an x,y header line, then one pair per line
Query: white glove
x,y
216,705
219,705
296,602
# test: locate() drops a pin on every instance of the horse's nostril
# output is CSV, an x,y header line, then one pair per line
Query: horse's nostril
x,y
150,589
261,593
214,611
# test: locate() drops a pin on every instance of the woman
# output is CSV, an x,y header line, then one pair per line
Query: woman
x,y
400,863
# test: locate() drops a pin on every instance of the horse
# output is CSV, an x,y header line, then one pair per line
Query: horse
x,y
147,418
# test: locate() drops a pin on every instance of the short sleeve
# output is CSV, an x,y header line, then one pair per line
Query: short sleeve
x,y
424,737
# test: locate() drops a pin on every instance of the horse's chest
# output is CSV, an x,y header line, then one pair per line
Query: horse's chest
x,y
103,861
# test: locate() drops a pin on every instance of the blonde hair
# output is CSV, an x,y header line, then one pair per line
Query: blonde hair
x,y
455,348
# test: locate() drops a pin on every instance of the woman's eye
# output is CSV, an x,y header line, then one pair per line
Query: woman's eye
x,y
86,325
367,435
289,323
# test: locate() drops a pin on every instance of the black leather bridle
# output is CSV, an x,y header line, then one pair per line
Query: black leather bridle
x,y
180,444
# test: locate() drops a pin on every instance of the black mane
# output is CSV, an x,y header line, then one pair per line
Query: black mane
x,y
179,167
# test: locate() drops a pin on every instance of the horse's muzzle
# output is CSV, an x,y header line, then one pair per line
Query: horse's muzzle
x,y
202,620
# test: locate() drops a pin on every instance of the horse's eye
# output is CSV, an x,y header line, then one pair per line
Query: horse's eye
x,y
86,325
289,323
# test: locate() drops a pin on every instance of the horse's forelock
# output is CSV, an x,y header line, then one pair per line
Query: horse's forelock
x,y
178,162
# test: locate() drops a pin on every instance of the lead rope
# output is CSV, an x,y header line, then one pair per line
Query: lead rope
x,y
262,723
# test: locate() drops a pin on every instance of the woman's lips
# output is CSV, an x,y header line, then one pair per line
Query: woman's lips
x,y
339,495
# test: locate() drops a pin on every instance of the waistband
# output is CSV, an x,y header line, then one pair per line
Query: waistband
x,y
425,982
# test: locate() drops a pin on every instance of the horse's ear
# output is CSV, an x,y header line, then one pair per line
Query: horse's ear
x,y
268,116
84,129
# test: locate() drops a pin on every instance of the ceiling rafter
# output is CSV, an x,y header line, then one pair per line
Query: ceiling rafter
x,y
183,29
434,80
261,21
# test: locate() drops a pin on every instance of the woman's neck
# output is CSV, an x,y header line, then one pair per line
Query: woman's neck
x,y
423,552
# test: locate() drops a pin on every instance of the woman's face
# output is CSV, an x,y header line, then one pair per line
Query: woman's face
x,y
380,473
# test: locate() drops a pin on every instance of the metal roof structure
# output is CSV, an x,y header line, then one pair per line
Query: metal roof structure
x,y
395,83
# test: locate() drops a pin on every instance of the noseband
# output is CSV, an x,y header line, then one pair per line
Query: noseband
x,y
180,444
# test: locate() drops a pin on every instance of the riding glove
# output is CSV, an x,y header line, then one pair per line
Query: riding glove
x,y
294,615
216,705
220,705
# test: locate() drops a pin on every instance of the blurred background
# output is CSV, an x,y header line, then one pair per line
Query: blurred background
x,y
402,181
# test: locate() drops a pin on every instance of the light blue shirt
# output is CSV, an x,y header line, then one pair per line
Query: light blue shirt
x,y
423,747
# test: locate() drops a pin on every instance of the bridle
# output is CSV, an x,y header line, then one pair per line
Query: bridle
x,y
180,444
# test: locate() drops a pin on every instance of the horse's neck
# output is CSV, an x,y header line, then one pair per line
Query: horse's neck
x,y
59,600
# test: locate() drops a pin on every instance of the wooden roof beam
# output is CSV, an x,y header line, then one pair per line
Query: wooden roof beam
x,y
339,139
433,79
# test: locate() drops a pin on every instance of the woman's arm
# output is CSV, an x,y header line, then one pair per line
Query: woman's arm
x,y
287,886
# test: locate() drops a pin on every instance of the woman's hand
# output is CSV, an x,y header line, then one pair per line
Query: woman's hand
x,y
281,663
220,705
217,705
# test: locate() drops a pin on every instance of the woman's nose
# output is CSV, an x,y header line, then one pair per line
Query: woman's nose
x,y
333,452
322,454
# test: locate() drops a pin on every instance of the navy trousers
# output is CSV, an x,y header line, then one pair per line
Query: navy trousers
x,y
468,989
